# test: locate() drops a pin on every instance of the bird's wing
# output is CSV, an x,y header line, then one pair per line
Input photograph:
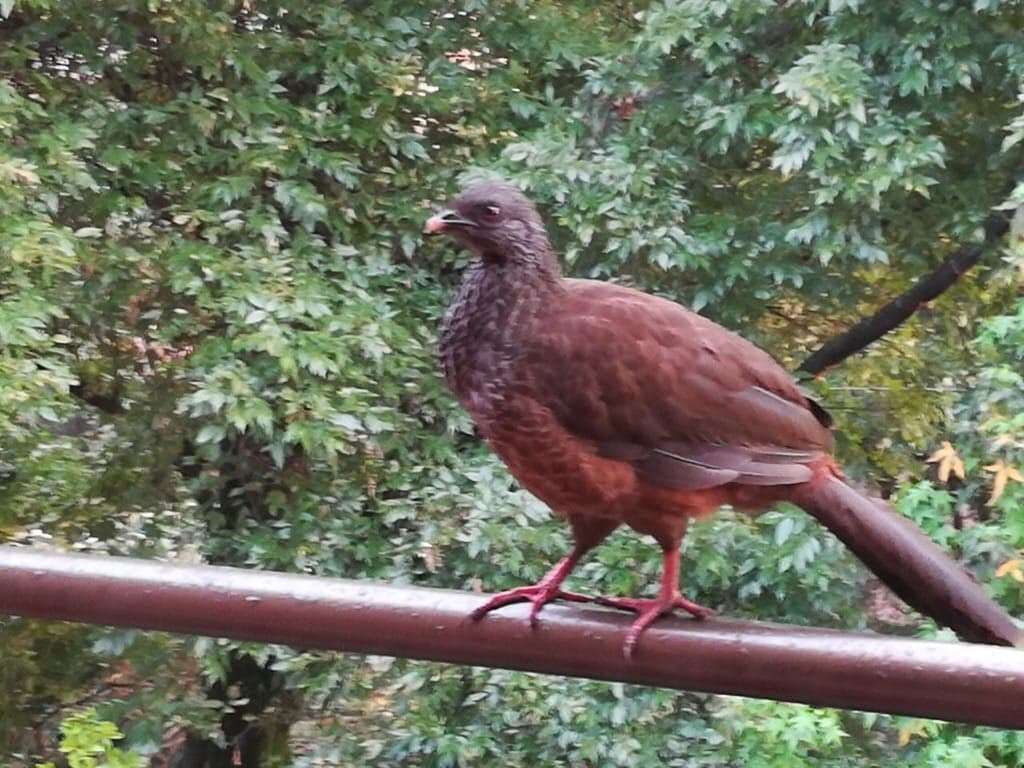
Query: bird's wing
x,y
688,403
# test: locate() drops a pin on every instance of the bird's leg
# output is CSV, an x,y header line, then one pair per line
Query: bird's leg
x,y
588,533
649,609
540,594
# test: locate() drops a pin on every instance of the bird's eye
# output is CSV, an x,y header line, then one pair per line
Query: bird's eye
x,y
492,211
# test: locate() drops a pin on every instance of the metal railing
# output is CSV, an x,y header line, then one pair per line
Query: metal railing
x,y
950,681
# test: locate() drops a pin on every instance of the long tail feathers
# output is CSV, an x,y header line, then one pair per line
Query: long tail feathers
x,y
924,576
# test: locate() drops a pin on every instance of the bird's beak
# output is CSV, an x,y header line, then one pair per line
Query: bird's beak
x,y
440,222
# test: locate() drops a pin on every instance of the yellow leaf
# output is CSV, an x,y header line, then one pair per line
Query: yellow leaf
x,y
913,728
941,453
1003,474
1011,567
949,462
24,174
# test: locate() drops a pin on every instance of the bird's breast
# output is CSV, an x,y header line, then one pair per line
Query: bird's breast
x,y
479,342
554,465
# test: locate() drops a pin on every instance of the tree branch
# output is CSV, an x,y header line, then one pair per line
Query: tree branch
x,y
927,288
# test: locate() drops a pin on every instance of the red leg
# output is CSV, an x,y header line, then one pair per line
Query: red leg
x,y
649,609
588,534
540,594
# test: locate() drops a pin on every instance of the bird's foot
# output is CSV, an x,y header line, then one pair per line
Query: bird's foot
x,y
539,594
649,609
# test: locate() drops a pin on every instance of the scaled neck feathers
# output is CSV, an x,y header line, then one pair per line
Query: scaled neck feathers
x,y
498,301
528,252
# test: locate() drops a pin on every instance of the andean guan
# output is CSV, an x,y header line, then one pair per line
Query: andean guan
x,y
613,406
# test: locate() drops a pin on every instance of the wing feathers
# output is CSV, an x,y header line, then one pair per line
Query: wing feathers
x,y
687,403
681,466
671,470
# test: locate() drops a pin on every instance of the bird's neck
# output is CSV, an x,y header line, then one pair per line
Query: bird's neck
x,y
496,303
528,260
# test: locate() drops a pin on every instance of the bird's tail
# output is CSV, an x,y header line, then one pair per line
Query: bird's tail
x,y
924,576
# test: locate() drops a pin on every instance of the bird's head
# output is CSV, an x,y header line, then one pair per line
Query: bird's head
x,y
497,222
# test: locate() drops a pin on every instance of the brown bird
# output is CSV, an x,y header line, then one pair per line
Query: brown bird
x,y
616,407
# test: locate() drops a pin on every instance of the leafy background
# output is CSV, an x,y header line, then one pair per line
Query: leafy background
x,y
217,330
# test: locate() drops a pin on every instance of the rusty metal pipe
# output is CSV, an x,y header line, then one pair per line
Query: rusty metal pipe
x,y
948,681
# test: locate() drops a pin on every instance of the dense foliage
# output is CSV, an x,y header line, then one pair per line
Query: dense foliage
x,y
217,330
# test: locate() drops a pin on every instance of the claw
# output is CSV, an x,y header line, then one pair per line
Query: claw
x,y
648,610
539,594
